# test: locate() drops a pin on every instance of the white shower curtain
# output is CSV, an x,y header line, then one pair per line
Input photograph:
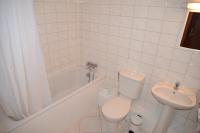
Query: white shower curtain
x,y
24,87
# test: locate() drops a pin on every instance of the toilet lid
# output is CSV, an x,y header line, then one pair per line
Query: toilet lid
x,y
116,108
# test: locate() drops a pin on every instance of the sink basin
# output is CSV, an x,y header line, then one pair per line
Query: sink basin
x,y
182,98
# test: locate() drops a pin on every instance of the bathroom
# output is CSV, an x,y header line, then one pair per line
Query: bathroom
x,y
141,35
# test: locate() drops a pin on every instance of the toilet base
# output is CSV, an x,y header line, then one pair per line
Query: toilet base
x,y
112,127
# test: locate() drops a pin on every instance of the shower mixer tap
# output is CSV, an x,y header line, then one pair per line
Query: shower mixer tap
x,y
91,65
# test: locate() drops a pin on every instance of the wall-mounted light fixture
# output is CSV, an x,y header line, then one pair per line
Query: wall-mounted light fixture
x,y
194,7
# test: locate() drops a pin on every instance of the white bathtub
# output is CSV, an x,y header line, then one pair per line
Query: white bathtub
x,y
65,83
72,98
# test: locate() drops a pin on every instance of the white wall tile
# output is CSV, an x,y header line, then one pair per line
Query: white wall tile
x,y
115,20
57,25
171,27
154,25
195,58
164,51
176,3
178,67
162,62
136,45
141,2
159,3
125,32
182,55
168,40
138,34
174,14
139,23
127,11
156,13
151,37
148,59
126,22
115,10
194,71
140,12
150,48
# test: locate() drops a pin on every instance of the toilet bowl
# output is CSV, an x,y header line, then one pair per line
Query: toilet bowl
x,y
116,109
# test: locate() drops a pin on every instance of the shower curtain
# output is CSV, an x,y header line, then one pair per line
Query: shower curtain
x,y
24,87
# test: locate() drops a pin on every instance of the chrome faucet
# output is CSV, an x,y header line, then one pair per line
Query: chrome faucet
x,y
91,65
92,68
176,86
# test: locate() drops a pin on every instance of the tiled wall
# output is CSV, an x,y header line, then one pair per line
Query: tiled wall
x,y
142,35
59,33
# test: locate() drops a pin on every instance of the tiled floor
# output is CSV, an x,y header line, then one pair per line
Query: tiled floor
x,y
94,124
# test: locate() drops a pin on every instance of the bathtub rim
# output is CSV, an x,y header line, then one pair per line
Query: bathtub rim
x,y
100,77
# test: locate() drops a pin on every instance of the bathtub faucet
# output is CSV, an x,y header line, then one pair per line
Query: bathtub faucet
x,y
91,65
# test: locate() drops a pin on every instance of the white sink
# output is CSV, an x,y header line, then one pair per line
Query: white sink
x,y
182,98
172,99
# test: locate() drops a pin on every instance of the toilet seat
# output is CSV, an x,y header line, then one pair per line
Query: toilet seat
x,y
116,108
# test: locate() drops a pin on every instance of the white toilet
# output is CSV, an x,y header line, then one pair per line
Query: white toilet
x,y
117,108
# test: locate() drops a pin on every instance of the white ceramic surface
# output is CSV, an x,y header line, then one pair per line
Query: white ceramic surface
x,y
65,111
164,120
182,98
116,108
